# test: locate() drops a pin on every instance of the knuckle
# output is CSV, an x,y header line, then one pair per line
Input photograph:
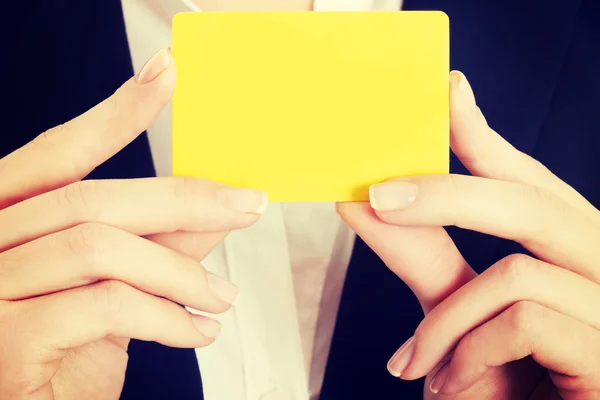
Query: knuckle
x,y
524,318
22,384
437,261
434,268
113,108
513,269
82,198
108,297
531,194
85,241
466,346
120,112
539,202
45,140
185,189
53,140
547,198
454,184
181,188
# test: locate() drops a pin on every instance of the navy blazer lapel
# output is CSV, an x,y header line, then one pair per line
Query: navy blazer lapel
x,y
513,52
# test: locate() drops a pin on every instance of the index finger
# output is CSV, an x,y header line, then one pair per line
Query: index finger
x,y
542,222
69,152
140,206
514,279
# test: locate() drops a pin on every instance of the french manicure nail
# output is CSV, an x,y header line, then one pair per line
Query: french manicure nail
x,y
439,379
243,200
464,86
154,66
222,288
390,196
402,358
206,326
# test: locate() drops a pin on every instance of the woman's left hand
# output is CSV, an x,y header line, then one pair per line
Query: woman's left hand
x,y
525,328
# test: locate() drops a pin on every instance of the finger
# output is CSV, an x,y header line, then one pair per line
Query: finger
x,y
425,258
410,255
525,329
93,252
69,152
196,245
43,393
139,206
542,222
513,279
485,153
40,330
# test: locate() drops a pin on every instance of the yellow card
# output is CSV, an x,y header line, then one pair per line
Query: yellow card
x,y
310,106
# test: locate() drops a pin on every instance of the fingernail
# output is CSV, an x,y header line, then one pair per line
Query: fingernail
x,y
401,359
391,196
206,326
243,200
154,66
222,288
464,86
439,379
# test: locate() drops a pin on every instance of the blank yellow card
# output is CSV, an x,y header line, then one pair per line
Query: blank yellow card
x,y
310,106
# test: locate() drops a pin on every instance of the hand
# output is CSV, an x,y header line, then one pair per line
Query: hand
x,y
85,266
525,328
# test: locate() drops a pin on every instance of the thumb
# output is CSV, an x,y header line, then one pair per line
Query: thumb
x,y
425,258
69,152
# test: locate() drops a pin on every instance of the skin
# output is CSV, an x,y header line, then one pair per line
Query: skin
x,y
85,266
527,328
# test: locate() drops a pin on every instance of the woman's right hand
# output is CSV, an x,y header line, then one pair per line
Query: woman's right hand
x,y
85,266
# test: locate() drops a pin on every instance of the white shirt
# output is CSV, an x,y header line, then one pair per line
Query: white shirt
x,y
289,266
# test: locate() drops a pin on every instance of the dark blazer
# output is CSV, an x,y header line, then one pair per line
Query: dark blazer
x,y
532,63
